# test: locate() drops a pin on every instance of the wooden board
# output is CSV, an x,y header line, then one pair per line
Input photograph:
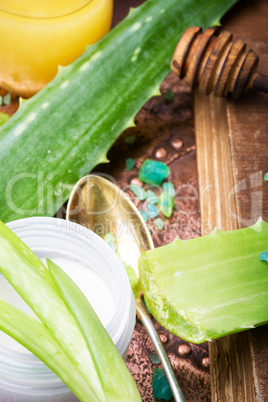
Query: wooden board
x,y
232,150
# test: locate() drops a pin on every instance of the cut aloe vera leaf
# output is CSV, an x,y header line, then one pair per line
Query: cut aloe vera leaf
x,y
34,336
114,376
46,303
208,287
25,253
61,133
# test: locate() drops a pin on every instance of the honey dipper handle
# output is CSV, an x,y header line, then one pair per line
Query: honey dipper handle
x,y
260,82
213,62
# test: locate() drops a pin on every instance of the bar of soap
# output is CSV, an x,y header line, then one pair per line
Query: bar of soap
x,y
208,287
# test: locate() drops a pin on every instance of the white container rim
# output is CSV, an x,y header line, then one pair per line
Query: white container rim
x,y
87,238
23,373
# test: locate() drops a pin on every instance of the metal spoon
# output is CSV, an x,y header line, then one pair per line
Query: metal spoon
x,y
101,206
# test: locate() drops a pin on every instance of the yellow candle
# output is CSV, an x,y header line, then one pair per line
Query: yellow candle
x,y
38,35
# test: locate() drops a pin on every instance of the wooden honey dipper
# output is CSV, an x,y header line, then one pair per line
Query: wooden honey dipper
x,y
211,61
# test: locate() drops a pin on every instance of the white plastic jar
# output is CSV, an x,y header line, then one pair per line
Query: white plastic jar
x,y
101,276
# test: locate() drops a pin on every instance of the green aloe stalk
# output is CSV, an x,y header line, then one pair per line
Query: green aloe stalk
x,y
211,286
66,129
70,338
114,376
34,336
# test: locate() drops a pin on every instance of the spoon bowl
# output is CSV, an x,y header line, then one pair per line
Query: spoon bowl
x,y
101,206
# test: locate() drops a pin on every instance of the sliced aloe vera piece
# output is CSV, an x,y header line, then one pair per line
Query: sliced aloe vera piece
x,y
65,130
20,267
211,286
33,335
115,378
70,338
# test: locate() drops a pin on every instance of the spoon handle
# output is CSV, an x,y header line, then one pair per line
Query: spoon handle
x,y
147,322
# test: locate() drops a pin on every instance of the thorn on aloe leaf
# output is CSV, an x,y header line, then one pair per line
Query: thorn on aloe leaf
x,y
3,118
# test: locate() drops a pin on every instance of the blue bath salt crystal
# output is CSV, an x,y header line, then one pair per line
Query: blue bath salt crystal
x,y
130,139
151,197
138,191
144,215
161,388
169,188
153,172
154,358
264,256
166,204
152,211
111,240
169,95
7,99
159,223
130,163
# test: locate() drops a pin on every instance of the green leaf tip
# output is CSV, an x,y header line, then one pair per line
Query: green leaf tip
x,y
21,101
156,92
208,287
103,159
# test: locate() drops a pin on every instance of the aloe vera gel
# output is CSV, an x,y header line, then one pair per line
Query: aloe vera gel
x,y
97,271
211,286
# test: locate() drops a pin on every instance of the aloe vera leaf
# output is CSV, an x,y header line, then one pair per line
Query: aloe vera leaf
x,y
46,304
208,287
114,376
67,128
26,254
33,335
